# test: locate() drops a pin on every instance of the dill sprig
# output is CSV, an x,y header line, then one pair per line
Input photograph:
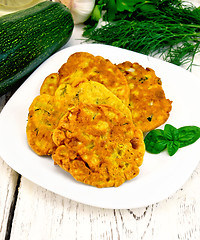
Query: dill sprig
x,y
167,28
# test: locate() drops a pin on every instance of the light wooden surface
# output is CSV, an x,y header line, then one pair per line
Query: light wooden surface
x,y
29,212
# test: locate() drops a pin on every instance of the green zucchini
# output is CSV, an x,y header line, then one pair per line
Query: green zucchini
x,y
28,37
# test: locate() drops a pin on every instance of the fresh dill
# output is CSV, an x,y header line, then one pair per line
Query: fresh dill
x,y
168,28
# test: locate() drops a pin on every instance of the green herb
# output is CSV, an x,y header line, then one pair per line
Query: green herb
x,y
168,28
171,138
155,141
171,133
188,135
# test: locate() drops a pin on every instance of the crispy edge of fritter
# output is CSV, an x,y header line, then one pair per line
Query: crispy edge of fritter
x,y
43,117
145,85
50,84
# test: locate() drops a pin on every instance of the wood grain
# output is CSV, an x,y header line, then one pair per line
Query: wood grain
x,y
41,215
30,212
8,183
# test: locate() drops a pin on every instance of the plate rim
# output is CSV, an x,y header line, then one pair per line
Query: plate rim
x,y
84,47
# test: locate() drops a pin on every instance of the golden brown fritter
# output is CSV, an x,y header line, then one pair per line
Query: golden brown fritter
x,y
90,92
148,104
46,111
98,145
44,115
91,115
50,84
95,68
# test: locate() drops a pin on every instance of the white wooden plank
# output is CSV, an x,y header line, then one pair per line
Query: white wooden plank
x,y
174,218
8,182
41,214
3,100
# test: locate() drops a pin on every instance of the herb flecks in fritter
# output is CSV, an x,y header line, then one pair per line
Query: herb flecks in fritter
x,y
98,145
147,102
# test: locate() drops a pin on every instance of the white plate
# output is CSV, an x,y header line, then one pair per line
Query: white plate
x,y
160,175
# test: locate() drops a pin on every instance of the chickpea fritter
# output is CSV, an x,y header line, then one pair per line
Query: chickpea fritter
x,y
98,145
95,68
50,84
90,118
147,102
90,92
44,115
46,111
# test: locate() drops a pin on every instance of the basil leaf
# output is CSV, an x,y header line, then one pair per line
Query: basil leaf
x,y
155,141
171,138
188,135
172,147
171,133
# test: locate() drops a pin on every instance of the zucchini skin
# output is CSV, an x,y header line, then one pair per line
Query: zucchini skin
x,y
28,37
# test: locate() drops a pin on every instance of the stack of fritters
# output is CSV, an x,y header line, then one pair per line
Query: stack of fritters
x,y
94,68
46,111
89,117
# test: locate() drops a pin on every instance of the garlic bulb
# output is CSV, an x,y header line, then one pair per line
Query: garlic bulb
x,y
80,9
